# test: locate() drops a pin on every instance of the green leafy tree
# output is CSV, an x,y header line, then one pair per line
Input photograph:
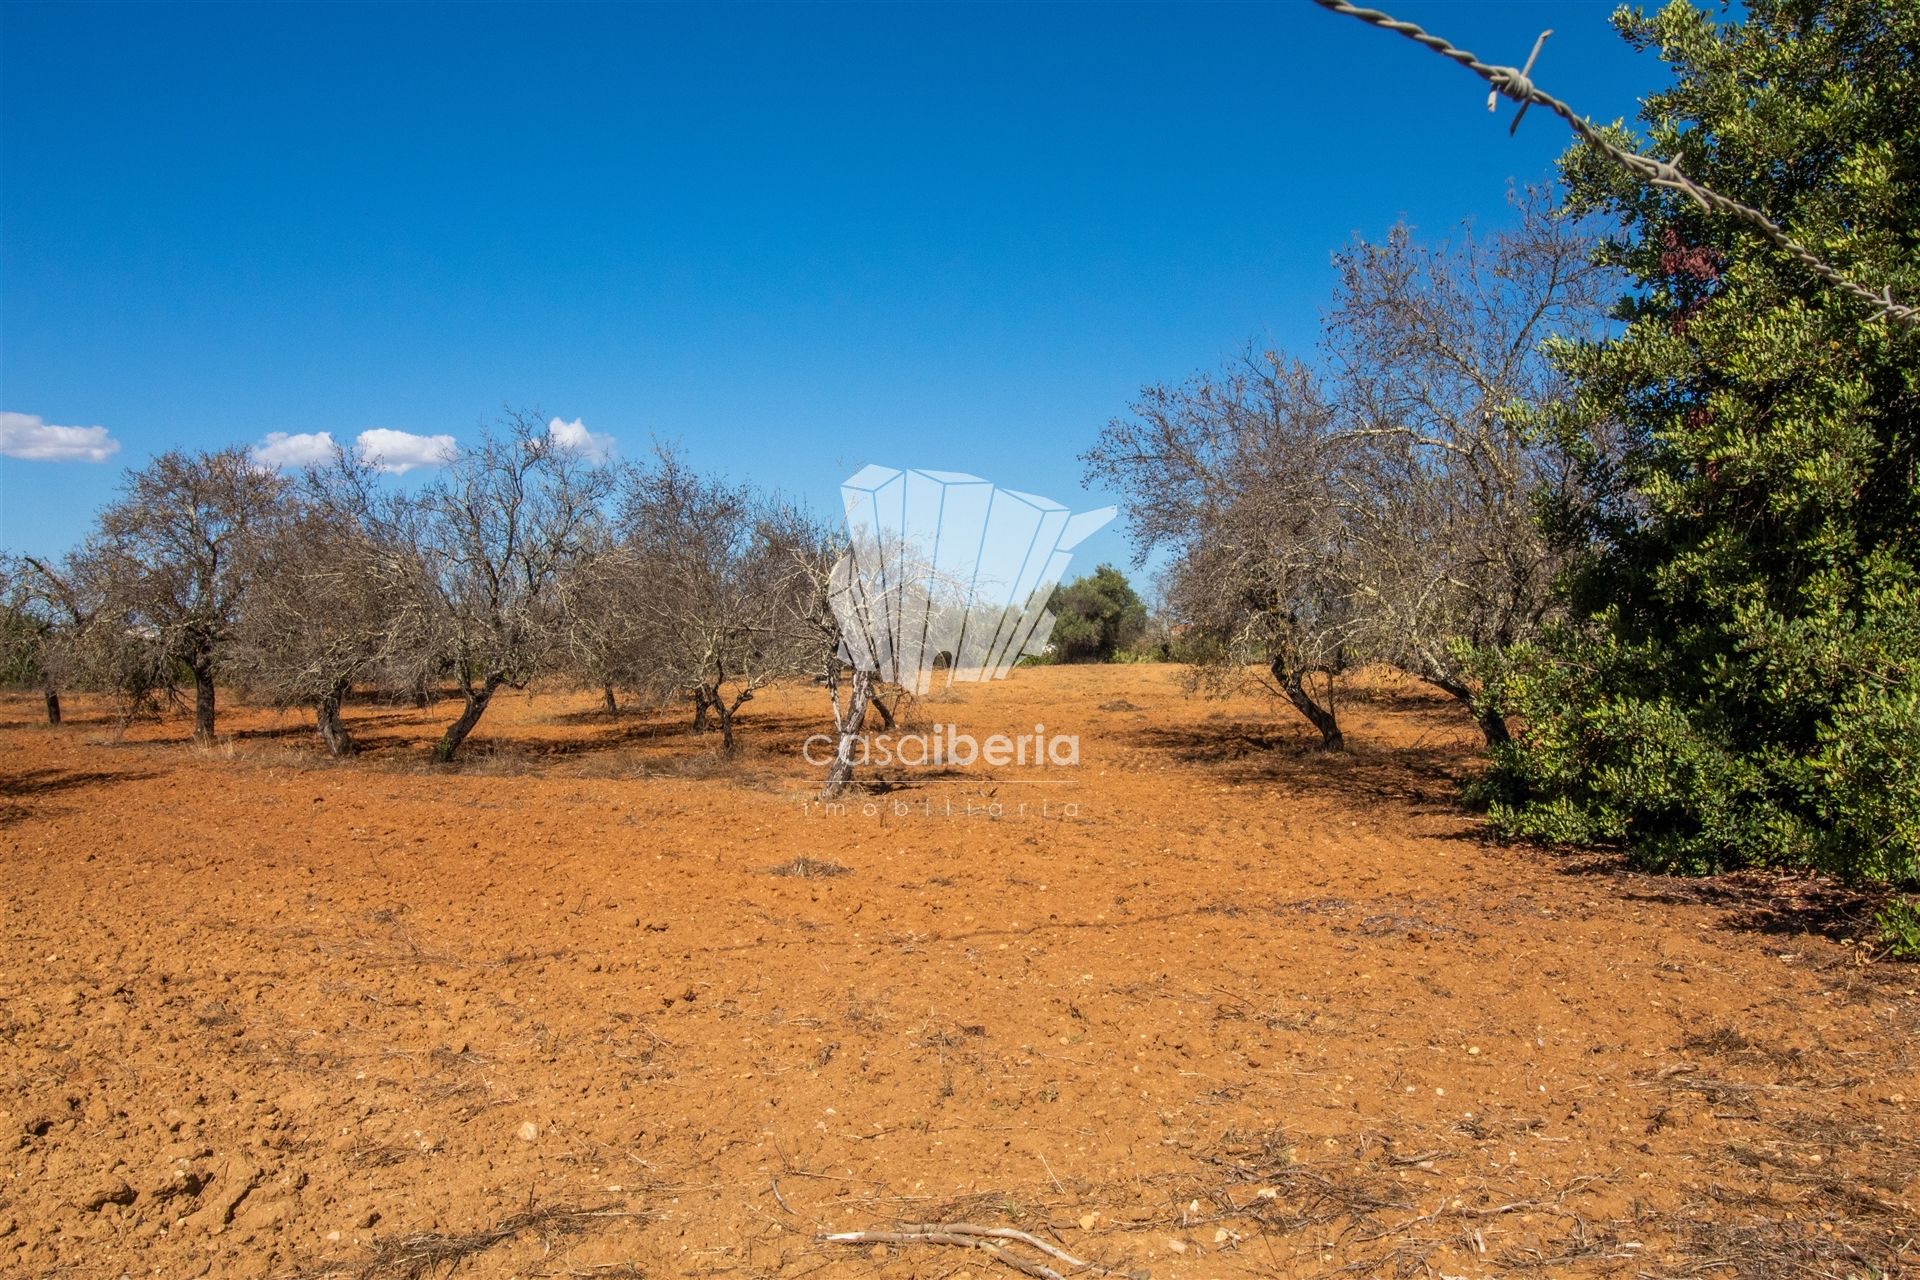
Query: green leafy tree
x,y
1738,681
1096,616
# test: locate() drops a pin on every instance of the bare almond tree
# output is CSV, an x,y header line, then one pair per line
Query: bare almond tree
x,y
41,619
171,563
600,596
713,585
1237,473
1380,507
89,646
498,530
1439,357
340,598
815,606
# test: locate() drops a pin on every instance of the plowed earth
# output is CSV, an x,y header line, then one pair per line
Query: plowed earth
x,y
599,1001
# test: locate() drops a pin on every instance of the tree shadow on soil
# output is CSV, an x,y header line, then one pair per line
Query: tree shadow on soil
x,y
1776,903
600,717
880,784
1245,753
627,747
77,719
754,734
16,788
300,728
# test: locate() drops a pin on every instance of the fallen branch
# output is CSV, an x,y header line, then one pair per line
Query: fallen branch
x,y
966,1235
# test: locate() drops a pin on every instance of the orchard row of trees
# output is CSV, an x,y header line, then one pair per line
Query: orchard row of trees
x,y
522,559
1627,479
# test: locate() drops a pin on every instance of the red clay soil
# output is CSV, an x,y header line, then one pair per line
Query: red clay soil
x,y
1209,1003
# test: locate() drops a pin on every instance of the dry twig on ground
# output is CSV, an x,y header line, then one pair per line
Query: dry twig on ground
x,y
967,1235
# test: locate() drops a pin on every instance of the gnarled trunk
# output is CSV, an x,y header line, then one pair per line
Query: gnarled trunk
x,y
840,773
203,702
53,705
1493,725
726,711
326,714
419,691
1324,718
477,700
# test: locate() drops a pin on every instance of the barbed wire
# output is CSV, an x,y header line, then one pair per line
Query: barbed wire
x,y
1513,83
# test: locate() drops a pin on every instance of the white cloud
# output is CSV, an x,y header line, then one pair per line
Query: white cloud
x,y
301,449
574,437
24,435
399,452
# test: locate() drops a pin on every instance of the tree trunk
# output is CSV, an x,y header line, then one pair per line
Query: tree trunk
x,y
53,705
477,700
1493,725
1325,719
700,709
613,703
840,773
727,713
886,713
203,702
326,714
419,692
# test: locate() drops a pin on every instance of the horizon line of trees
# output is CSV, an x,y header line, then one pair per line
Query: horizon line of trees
x,y
523,558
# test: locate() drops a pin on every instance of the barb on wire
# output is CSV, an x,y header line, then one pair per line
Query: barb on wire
x,y
1513,83
1493,95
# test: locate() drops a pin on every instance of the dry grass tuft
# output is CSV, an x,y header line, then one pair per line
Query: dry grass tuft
x,y
805,868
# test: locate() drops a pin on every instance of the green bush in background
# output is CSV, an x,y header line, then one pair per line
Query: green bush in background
x,y
1096,617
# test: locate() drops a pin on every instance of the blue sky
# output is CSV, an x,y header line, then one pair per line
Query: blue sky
x,y
794,238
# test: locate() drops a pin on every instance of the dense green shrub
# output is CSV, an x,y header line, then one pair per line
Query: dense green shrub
x,y
1898,925
1738,680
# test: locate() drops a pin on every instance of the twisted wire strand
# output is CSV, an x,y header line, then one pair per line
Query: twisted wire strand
x,y
1512,83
